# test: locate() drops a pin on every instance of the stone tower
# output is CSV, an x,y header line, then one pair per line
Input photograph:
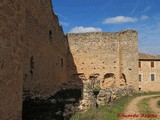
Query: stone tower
x,y
114,56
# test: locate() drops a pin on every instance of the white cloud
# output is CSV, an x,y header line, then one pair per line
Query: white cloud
x,y
64,23
81,29
119,19
144,17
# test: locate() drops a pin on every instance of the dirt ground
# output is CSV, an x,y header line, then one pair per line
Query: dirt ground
x,y
132,109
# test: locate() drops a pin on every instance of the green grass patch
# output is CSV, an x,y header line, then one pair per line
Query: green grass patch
x,y
144,106
109,112
158,103
146,93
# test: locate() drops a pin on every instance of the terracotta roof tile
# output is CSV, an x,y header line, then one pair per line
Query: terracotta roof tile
x,y
148,56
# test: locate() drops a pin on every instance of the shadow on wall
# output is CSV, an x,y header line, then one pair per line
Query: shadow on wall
x,y
60,105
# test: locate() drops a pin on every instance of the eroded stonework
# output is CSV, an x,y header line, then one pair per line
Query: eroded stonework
x,y
33,54
37,62
113,56
12,16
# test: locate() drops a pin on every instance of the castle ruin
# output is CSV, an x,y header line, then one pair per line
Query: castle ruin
x,y
112,54
33,54
39,62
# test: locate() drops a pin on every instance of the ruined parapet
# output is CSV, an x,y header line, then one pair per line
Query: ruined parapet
x,y
105,53
109,61
128,52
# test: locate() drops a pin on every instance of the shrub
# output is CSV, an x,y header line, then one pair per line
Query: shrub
x,y
96,90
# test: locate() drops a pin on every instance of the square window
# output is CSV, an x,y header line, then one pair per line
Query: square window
x,y
50,34
139,64
61,62
152,64
152,77
140,77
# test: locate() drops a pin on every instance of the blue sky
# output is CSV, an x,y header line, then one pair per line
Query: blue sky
x,y
112,16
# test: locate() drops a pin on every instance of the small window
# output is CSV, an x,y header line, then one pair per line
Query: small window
x,y
152,77
50,34
139,64
152,64
31,63
140,77
61,62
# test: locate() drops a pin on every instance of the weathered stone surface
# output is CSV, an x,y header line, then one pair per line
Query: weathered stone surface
x,y
107,53
11,65
60,106
36,61
105,96
33,54
7,10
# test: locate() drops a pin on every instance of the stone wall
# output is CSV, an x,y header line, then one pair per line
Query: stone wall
x,y
33,54
12,15
145,71
114,56
36,61
129,57
45,50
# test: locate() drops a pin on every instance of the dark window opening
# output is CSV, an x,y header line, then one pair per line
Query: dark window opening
x,y
152,77
107,75
62,63
50,34
2,64
94,76
31,65
31,62
140,77
139,64
152,64
124,77
78,77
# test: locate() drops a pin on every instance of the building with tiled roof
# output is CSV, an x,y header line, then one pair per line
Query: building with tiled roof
x,y
149,72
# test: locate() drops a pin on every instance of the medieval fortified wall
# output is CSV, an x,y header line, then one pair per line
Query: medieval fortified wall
x,y
36,61
12,24
112,56
105,62
33,54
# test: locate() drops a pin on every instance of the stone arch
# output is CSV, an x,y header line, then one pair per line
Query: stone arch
x,y
108,75
94,81
123,79
108,80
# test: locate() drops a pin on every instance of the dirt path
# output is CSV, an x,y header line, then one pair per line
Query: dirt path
x,y
132,109
154,107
